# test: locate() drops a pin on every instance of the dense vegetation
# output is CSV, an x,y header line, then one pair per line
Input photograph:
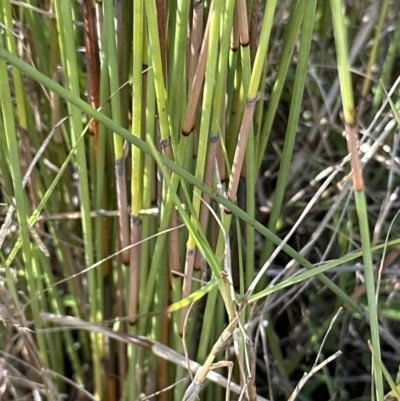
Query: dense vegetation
x,y
199,186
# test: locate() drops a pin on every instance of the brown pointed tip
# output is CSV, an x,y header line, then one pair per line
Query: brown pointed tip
x,y
187,132
174,274
126,257
244,44
227,211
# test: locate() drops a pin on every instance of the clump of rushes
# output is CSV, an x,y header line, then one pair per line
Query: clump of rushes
x,y
176,198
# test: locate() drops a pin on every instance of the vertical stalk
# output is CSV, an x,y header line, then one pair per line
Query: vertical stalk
x,y
22,213
373,53
93,69
209,88
290,39
351,127
136,181
109,38
67,43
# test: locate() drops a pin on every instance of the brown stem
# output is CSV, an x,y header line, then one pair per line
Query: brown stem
x,y
161,21
235,30
93,64
122,206
243,23
134,277
352,132
241,148
187,285
253,30
195,89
